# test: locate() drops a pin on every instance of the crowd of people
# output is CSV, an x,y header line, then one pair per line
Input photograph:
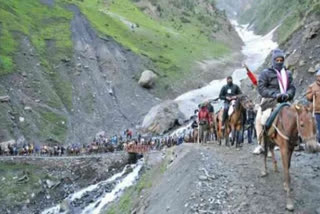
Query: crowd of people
x,y
275,85
100,144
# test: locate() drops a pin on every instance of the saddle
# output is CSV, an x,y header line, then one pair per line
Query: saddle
x,y
269,128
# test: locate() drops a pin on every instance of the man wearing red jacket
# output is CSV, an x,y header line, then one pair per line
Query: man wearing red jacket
x,y
204,121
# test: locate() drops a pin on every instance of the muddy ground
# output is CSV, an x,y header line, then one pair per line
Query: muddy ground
x,y
216,179
32,184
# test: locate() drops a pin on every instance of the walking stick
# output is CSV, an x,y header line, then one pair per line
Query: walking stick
x,y
313,105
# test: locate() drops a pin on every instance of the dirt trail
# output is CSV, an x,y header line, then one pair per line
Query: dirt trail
x,y
214,179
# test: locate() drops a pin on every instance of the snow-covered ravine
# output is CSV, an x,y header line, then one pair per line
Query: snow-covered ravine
x,y
256,48
92,199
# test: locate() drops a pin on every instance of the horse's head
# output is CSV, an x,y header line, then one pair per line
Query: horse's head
x,y
244,101
307,127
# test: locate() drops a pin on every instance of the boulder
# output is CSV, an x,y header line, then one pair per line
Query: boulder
x,y
312,70
302,63
293,59
4,99
312,30
27,108
21,119
147,79
50,183
4,145
162,117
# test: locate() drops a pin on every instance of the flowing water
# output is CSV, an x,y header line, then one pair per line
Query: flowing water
x,y
92,199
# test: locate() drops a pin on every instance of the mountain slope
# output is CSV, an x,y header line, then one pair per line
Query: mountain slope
x,y
263,16
70,67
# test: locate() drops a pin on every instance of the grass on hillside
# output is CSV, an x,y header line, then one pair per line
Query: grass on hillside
x,y
173,51
13,192
35,20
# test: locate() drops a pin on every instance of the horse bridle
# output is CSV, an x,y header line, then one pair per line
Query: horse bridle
x,y
299,130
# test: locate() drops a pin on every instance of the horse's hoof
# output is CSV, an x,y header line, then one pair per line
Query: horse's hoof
x,y
264,174
289,205
285,187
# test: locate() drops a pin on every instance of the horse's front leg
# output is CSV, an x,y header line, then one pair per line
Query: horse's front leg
x,y
226,133
285,155
238,135
233,133
265,169
274,161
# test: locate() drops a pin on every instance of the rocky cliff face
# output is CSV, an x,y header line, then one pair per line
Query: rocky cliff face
x,y
69,69
302,52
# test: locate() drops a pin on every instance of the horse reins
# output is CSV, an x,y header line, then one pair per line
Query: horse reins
x,y
279,131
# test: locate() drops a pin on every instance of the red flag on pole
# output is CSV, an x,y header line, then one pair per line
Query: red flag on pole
x,y
251,76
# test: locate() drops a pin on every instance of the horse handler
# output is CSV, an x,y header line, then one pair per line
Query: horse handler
x,y
313,95
204,122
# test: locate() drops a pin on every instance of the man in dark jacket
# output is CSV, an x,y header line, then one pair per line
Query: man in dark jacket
x,y
275,85
268,83
228,93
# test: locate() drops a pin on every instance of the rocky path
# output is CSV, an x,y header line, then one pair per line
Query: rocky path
x,y
214,179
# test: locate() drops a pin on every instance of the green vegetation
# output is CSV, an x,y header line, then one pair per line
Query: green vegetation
x,y
15,192
173,46
266,15
53,125
39,22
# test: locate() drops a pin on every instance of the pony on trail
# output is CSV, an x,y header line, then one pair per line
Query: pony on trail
x,y
291,123
235,122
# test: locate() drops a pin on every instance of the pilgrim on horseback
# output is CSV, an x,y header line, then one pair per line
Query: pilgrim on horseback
x,y
280,123
275,85
229,94
231,119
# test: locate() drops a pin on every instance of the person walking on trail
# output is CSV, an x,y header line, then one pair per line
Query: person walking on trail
x,y
213,133
204,121
251,116
275,85
313,95
228,93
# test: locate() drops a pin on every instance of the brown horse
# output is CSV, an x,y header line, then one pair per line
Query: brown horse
x,y
212,129
235,123
291,122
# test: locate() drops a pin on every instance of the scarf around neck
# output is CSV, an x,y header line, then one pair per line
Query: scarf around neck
x,y
283,80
